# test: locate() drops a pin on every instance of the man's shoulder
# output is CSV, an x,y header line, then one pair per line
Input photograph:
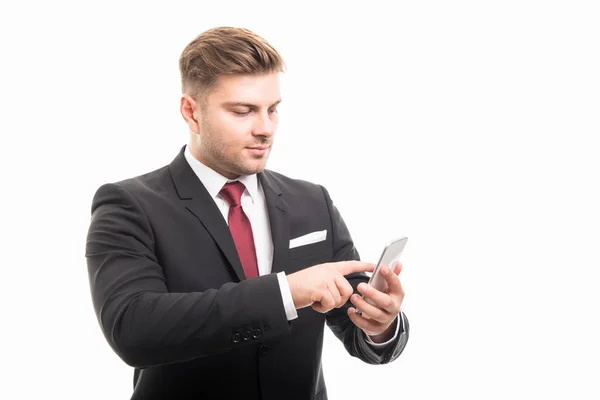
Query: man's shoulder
x,y
155,181
296,190
286,183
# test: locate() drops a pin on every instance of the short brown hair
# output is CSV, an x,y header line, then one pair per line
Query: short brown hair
x,y
225,50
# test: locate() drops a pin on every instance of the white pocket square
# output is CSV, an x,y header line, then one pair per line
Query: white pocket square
x,y
309,238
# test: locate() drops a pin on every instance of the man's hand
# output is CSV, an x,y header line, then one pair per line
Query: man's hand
x,y
323,286
376,320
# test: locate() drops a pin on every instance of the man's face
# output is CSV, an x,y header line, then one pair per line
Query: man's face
x,y
236,124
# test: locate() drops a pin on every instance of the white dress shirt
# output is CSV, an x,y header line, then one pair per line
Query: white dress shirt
x,y
254,204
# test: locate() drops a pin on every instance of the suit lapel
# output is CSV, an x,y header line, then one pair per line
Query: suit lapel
x,y
197,200
278,220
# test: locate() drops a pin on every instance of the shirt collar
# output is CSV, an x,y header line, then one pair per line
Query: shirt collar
x,y
214,182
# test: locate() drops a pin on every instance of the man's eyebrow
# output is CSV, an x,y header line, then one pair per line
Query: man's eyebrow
x,y
242,104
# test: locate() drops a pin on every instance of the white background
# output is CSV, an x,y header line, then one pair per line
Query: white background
x,y
469,126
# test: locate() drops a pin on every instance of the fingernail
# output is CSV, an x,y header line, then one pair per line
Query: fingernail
x,y
362,287
385,270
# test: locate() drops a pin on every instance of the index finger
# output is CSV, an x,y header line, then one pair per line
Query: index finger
x,y
398,268
393,282
349,267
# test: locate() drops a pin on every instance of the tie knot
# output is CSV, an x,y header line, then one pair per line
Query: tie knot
x,y
232,192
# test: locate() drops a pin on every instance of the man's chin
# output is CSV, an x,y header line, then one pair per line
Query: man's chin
x,y
252,169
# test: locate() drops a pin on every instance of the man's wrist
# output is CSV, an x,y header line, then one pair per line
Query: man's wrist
x,y
386,335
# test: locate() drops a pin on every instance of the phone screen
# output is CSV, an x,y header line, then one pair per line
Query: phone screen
x,y
390,257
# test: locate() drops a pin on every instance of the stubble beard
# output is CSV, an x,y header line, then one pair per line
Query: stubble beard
x,y
216,153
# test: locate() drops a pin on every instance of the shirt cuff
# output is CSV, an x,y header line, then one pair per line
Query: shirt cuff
x,y
286,296
399,321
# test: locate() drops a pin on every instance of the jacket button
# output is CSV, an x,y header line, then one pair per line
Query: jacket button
x,y
247,335
256,333
263,350
236,338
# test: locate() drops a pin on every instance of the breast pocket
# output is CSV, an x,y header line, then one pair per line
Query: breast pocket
x,y
309,250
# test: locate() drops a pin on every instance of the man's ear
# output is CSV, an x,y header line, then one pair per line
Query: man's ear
x,y
190,111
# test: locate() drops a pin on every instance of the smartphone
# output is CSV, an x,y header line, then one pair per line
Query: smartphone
x,y
390,256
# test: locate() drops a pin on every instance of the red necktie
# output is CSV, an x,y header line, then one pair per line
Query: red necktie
x,y
240,228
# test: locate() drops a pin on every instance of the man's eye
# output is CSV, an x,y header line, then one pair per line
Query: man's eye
x,y
273,111
240,113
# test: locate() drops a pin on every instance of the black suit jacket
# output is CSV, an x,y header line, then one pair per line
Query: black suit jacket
x,y
173,302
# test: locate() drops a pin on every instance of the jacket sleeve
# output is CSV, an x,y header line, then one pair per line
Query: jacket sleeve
x,y
144,323
337,319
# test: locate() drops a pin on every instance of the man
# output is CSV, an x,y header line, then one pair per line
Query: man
x,y
214,277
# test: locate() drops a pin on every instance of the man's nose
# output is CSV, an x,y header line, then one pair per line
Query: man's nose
x,y
264,124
